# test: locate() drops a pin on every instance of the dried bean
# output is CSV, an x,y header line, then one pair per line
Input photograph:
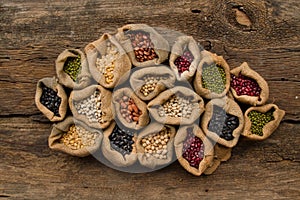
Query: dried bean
x,y
183,62
72,67
150,83
121,140
223,123
193,149
244,85
129,110
50,100
259,120
214,78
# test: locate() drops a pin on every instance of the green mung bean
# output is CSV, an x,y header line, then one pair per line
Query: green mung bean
x,y
72,67
259,120
214,78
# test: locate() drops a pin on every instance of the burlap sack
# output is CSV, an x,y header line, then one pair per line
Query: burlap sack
x,y
153,162
106,106
143,118
208,149
112,155
231,107
208,59
182,43
97,49
53,84
136,80
83,78
222,154
245,70
269,128
196,100
161,45
62,127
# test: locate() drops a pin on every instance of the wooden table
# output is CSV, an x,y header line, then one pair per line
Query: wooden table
x,y
264,33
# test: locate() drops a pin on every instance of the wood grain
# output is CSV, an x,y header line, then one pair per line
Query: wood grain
x,y
264,33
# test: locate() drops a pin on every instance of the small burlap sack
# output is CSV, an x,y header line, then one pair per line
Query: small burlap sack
x,y
208,59
62,127
143,118
96,50
208,149
136,80
83,78
230,107
196,100
161,45
106,105
152,162
112,155
182,43
53,84
245,70
269,128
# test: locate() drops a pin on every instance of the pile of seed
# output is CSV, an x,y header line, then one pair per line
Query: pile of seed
x,y
223,123
150,83
50,100
183,62
121,140
259,120
77,137
176,106
129,110
106,64
142,45
156,144
193,149
244,85
91,107
214,78
72,67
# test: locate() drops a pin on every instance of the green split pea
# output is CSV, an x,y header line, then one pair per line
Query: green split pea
x,y
72,67
259,120
214,78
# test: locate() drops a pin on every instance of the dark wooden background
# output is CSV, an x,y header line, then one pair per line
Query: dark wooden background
x,y
265,33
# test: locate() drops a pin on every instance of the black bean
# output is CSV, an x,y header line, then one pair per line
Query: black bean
x,y
121,140
50,100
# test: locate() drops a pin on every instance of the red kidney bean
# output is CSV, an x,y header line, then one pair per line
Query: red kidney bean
x,y
183,62
244,85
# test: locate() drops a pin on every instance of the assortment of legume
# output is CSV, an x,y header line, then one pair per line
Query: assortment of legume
x,y
91,107
259,120
122,140
193,149
223,123
72,67
156,144
106,64
244,85
183,62
176,106
214,78
142,45
77,138
50,100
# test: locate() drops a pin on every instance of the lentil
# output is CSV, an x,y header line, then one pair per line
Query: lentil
x,y
106,63
121,140
129,110
91,107
223,123
78,137
244,85
183,62
176,106
156,144
214,78
72,67
50,99
150,83
259,120
142,45
193,149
